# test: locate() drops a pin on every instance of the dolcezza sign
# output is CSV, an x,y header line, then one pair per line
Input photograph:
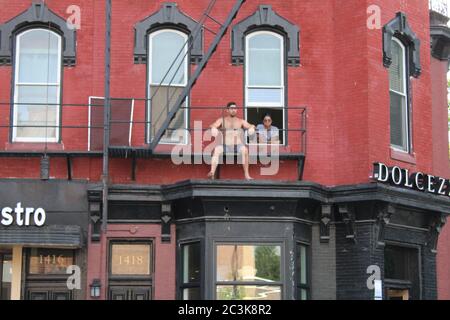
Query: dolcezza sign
x,y
21,216
417,181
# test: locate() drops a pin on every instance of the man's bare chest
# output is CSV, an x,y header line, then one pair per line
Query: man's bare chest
x,y
232,124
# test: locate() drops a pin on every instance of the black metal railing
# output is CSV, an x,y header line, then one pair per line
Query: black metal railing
x,y
81,131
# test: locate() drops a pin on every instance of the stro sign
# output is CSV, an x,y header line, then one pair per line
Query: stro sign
x,y
22,216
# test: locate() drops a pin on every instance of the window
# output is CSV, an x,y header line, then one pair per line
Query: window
x,y
37,86
264,87
191,277
303,288
248,272
131,259
401,54
5,275
50,261
168,74
398,87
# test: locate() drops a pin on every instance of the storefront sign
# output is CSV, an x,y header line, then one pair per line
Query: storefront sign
x,y
22,216
417,181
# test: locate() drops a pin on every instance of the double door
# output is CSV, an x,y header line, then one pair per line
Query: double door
x,y
48,293
130,293
130,270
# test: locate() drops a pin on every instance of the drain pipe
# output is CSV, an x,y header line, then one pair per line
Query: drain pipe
x,y
106,116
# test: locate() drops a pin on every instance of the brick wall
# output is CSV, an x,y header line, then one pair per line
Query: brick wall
x,y
341,80
353,259
323,259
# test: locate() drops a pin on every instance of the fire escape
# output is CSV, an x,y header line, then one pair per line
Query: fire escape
x,y
111,119
174,103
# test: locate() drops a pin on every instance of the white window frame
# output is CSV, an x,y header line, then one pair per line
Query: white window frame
x,y
151,83
405,149
268,105
17,84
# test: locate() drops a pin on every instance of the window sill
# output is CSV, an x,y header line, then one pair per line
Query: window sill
x,y
33,146
403,156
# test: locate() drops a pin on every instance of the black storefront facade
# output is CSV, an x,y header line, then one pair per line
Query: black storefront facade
x,y
43,239
292,240
234,239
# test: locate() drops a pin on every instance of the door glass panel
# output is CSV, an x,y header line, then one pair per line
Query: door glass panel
x,y
61,296
50,261
6,277
398,294
191,263
130,293
131,259
248,292
38,295
192,294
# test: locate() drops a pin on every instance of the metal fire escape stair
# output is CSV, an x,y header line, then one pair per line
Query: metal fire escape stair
x,y
172,111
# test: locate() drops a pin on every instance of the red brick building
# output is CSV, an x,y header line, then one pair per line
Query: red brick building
x,y
356,89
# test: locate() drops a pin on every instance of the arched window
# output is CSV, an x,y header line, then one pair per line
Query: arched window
x,y
168,75
37,86
398,87
265,79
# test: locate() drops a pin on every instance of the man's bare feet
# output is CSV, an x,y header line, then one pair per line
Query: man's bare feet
x,y
211,175
248,178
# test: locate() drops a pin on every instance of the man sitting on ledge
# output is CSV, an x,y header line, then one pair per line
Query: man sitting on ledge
x,y
233,127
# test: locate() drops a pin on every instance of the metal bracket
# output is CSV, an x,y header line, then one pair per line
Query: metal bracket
x,y
325,221
45,167
166,221
384,213
348,217
95,213
436,226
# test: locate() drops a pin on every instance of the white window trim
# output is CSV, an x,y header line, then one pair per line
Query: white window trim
x,y
282,87
17,84
151,83
405,95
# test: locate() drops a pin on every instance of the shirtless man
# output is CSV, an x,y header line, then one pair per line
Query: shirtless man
x,y
233,127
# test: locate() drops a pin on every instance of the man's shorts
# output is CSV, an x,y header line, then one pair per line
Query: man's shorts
x,y
233,148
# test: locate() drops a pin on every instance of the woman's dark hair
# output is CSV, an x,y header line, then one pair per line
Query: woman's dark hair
x,y
267,115
229,104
